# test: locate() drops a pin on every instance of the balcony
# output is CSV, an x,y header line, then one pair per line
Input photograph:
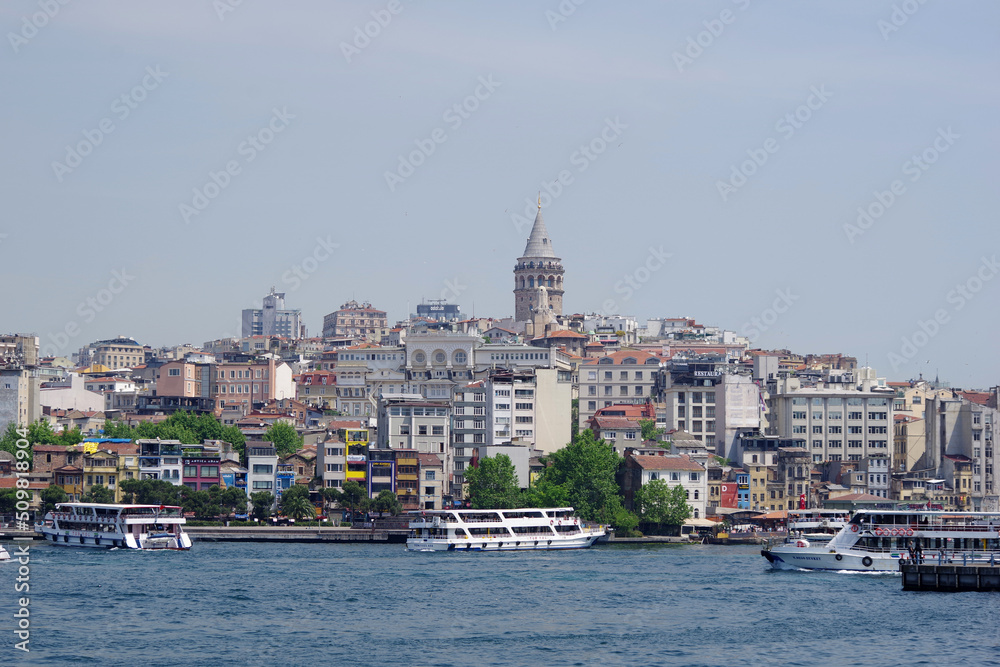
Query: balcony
x,y
351,474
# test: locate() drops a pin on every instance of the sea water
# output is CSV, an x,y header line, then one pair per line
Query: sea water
x,y
377,604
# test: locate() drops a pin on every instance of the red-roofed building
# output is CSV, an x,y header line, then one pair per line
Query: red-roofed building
x,y
619,432
674,469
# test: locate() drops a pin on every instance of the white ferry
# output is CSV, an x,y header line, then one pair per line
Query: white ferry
x,y
876,540
107,526
500,530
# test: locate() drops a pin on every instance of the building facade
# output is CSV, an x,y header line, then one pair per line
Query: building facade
x,y
272,319
356,320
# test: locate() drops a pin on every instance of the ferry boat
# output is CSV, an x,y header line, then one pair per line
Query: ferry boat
x,y
876,540
500,530
107,526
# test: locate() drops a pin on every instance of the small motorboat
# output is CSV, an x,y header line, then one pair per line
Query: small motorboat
x,y
3,553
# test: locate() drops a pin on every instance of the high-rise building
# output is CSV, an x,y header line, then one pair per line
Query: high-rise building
x,y
536,269
19,381
272,319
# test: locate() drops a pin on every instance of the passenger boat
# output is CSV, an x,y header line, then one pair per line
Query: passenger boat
x,y
815,525
876,540
108,526
500,530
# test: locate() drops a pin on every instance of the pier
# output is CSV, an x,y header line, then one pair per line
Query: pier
x,y
950,577
291,534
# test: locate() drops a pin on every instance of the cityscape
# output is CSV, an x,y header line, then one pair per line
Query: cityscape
x,y
542,332
409,406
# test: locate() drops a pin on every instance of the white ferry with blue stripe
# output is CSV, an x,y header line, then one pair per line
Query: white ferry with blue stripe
x,y
500,530
107,526
876,540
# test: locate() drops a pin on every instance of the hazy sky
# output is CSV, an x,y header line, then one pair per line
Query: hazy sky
x,y
704,159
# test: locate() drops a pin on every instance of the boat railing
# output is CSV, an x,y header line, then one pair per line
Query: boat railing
x,y
933,527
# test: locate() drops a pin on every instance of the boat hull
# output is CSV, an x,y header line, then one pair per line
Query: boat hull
x,y
799,558
431,544
86,539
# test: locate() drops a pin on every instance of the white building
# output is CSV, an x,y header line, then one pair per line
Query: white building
x,y
840,419
674,469
262,466
272,319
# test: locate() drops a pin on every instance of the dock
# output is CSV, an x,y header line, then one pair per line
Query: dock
x,y
291,534
950,577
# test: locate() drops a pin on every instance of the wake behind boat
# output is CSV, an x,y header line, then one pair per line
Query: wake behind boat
x,y
108,526
876,540
496,530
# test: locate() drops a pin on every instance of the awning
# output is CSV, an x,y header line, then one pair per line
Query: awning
x,y
700,522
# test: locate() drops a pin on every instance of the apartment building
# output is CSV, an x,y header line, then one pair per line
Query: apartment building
x,y
622,377
841,418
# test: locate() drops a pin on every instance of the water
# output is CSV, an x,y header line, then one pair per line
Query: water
x,y
364,604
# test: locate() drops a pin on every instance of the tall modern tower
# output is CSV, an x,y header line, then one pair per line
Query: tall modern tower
x,y
538,267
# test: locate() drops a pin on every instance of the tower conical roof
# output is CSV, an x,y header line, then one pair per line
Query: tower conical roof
x,y
539,244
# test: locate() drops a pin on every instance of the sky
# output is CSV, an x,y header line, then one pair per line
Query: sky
x,y
817,176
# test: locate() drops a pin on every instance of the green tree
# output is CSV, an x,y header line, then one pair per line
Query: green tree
x,y
285,438
232,501
586,470
574,416
262,502
182,425
649,430
493,483
331,496
98,494
353,496
295,503
51,496
387,502
150,492
8,500
657,502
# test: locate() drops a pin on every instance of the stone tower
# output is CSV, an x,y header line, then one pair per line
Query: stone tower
x,y
538,267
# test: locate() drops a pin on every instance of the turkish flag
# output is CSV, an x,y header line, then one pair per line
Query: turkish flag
x,y
802,501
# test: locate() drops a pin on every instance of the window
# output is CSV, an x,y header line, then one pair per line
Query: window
x,y
334,467
262,484
174,372
592,405
591,375
190,471
817,444
591,390
607,375
675,477
834,429
817,429
630,435
694,478
437,430
258,469
835,444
